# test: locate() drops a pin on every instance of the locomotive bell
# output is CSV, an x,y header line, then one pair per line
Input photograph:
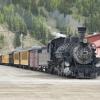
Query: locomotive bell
x,y
82,31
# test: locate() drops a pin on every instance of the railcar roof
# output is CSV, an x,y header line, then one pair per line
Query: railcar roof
x,y
11,52
35,48
4,55
28,49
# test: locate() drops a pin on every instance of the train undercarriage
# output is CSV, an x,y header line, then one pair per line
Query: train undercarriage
x,y
79,72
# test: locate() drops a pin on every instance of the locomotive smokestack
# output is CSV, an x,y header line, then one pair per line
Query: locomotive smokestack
x,y
82,31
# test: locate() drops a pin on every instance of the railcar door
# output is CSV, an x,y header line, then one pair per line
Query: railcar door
x,y
11,59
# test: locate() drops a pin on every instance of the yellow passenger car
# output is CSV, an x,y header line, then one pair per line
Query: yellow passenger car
x,y
16,57
5,59
24,55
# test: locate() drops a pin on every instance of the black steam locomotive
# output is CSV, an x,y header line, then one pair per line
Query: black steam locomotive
x,y
72,56
64,56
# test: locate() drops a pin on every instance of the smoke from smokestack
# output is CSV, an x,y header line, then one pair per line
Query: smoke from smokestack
x,y
57,35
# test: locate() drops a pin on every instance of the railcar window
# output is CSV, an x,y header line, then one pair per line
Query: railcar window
x,y
40,51
16,56
24,55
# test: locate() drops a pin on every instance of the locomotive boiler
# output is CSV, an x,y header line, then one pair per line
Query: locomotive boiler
x,y
72,56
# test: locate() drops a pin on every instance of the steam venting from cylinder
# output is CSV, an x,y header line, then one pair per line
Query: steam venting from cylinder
x,y
82,31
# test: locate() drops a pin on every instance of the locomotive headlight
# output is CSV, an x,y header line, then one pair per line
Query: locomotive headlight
x,y
98,65
85,41
67,64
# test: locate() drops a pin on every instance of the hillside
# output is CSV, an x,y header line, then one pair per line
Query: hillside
x,y
7,40
36,20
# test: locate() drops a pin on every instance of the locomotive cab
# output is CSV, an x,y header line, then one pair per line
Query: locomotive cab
x,y
54,45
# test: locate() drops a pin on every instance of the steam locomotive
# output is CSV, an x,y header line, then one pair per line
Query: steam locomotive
x,y
72,56
64,56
